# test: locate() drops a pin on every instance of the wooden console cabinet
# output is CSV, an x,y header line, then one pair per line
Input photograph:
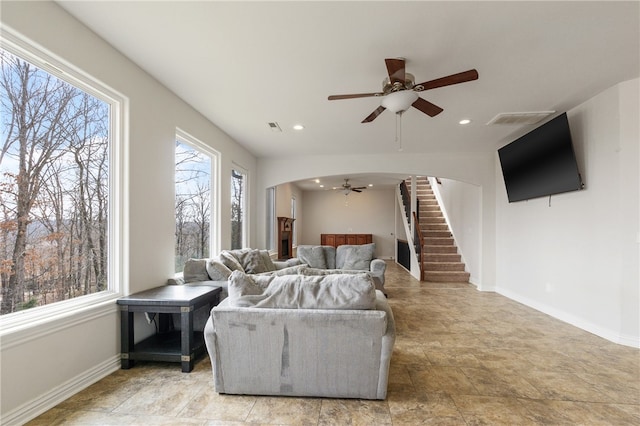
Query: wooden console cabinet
x,y
336,240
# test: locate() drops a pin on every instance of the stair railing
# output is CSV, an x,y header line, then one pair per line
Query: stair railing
x,y
420,245
406,198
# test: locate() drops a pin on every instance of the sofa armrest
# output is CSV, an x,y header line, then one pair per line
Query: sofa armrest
x,y
281,264
377,268
178,279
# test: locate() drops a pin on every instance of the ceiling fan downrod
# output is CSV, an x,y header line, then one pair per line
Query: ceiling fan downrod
x,y
399,130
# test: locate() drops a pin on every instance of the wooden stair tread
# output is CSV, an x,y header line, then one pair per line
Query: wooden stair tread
x,y
442,262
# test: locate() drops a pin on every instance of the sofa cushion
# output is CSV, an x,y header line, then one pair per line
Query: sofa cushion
x,y
357,257
252,262
243,286
291,270
316,271
217,270
195,270
230,260
314,256
341,291
266,259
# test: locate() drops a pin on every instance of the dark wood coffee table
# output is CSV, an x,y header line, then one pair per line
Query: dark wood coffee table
x,y
176,346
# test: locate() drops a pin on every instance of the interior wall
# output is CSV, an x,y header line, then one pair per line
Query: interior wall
x,y
37,365
370,212
474,168
575,255
460,203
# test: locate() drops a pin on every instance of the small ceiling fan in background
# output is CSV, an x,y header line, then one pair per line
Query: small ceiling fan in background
x,y
346,188
399,90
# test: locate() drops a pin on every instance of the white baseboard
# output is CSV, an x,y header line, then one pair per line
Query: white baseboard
x,y
612,336
55,396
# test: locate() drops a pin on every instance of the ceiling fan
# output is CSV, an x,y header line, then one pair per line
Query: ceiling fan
x,y
399,90
346,188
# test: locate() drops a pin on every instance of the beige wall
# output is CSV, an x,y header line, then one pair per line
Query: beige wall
x,y
370,212
37,368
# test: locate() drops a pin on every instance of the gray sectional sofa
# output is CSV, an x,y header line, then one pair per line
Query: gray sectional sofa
x,y
301,335
310,260
344,258
294,329
216,270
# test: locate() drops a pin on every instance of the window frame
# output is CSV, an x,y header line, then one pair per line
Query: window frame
x,y
214,185
30,322
294,212
271,221
245,204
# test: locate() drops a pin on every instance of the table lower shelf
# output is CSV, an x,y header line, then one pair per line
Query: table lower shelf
x,y
166,347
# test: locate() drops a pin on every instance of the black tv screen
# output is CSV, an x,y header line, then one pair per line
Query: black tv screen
x,y
541,163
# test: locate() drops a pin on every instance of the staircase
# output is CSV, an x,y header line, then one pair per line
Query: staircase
x,y
442,263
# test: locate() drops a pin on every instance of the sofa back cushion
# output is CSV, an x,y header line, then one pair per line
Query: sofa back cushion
x,y
355,257
321,257
341,291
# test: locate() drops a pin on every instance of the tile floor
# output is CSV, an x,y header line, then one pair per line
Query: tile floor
x,y
462,357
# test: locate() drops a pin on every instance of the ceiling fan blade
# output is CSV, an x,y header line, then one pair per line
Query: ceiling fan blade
x,y
374,114
354,95
396,70
355,190
427,107
460,77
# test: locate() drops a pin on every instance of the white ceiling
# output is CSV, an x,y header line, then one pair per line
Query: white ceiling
x,y
244,64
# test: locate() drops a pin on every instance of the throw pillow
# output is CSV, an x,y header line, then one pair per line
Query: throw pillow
x,y
250,260
230,261
358,257
217,270
313,256
266,259
195,270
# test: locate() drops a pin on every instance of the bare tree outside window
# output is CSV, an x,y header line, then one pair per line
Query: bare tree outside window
x,y
237,208
54,187
193,204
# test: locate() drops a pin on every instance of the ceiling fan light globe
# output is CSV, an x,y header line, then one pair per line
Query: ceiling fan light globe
x,y
399,101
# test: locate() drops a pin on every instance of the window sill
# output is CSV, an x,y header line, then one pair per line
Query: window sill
x,y
19,327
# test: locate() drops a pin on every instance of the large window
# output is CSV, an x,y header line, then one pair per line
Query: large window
x,y
271,218
238,208
194,182
58,175
294,212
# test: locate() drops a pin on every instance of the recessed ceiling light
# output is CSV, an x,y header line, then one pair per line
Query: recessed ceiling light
x,y
370,184
317,181
298,127
321,186
464,121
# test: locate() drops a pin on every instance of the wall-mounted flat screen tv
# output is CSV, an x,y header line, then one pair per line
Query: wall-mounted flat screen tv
x,y
541,163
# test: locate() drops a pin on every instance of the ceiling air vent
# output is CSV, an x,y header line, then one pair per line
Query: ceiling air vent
x,y
519,118
275,127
